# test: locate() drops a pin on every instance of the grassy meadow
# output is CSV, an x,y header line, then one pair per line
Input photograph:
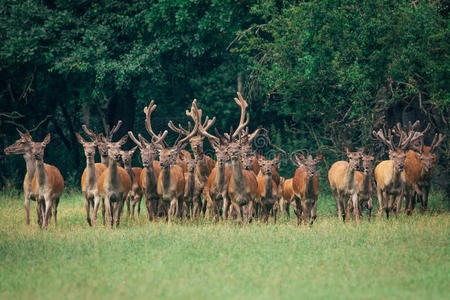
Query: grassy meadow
x,y
405,257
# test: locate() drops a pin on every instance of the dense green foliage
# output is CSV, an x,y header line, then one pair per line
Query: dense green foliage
x,y
403,258
318,74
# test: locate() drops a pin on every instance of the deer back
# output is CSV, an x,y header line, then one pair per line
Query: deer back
x,y
54,181
288,191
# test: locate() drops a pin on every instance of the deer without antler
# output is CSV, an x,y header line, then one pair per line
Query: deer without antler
x,y
267,188
343,183
189,187
306,188
89,178
23,146
364,187
135,194
388,173
114,183
47,184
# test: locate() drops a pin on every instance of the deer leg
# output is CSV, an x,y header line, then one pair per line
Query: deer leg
x,y
370,206
118,208
48,209
27,208
148,205
380,196
127,199
40,211
139,206
88,211
355,204
398,204
226,206
55,210
172,209
426,192
107,207
103,210
250,211
136,199
386,203
275,211
95,208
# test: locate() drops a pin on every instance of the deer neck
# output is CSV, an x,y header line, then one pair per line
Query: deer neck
x,y
220,174
236,171
349,177
113,172
30,165
40,173
268,184
366,180
191,183
90,171
202,167
129,170
309,184
105,160
165,173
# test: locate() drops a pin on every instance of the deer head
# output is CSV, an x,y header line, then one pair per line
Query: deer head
x,y
102,139
89,147
268,165
22,145
38,148
127,156
367,163
353,157
308,163
114,148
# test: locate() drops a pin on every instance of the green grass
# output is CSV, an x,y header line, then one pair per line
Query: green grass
x,y
406,257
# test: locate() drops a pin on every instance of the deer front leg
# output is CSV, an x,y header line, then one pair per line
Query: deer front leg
x,y
172,209
426,192
398,204
127,199
95,209
55,210
380,202
355,204
386,203
88,210
275,211
250,211
226,206
118,210
27,208
107,207
48,209
148,205
103,211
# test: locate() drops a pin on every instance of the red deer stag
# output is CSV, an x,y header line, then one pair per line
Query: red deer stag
x,y
389,173
23,146
242,188
171,179
204,163
267,188
343,183
114,183
306,188
150,174
47,184
89,178
135,194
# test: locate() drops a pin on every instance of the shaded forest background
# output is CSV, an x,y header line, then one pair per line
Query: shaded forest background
x,y
317,74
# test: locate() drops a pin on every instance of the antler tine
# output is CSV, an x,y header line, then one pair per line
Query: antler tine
x,y
179,129
92,135
266,132
208,123
242,122
413,126
412,136
435,144
380,135
135,140
114,130
148,111
159,139
254,134
196,122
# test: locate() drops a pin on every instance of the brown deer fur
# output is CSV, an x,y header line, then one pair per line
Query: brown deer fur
x,y
306,188
114,184
135,194
47,183
89,178
343,184
267,193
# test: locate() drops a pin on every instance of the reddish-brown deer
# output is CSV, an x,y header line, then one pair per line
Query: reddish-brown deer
x,y
267,188
364,187
47,184
389,173
135,194
287,198
23,146
204,163
343,183
171,179
114,183
149,175
306,188
189,187
89,178
242,188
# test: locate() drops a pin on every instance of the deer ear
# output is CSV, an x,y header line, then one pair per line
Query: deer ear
x,y
133,149
123,140
80,138
345,148
300,156
47,139
319,157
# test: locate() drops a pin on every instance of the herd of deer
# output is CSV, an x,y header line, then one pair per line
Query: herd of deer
x,y
238,184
